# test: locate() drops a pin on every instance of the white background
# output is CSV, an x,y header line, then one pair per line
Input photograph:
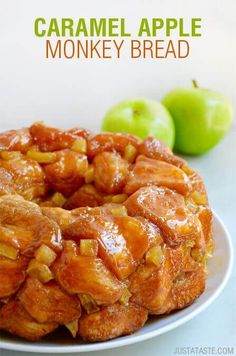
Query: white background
x,y
78,93
75,92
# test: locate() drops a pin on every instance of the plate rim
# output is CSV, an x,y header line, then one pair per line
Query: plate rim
x,y
119,342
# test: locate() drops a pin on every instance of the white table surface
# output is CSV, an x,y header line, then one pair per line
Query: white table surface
x,y
216,326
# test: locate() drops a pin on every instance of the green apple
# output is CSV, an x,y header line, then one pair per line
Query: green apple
x,y
201,118
141,117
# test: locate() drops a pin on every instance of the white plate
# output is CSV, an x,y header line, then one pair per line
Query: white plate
x,y
220,267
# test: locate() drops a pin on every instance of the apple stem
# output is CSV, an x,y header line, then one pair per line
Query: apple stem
x,y
195,84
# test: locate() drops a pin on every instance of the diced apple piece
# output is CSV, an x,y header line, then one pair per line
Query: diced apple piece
x,y
196,254
79,145
58,199
119,211
88,303
108,198
154,256
191,205
199,198
45,255
187,169
8,251
89,175
124,299
73,327
130,153
42,157
40,271
119,198
11,155
88,247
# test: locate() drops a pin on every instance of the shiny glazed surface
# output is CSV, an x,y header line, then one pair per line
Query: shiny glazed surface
x,y
96,228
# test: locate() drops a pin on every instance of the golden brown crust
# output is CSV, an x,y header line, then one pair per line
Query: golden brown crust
x,y
87,195
166,209
12,275
110,142
86,275
110,172
147,171
48,302
151,147
112,321
66,174
97,231
23,226
22,176
16,320
16,140
51,139
175,284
